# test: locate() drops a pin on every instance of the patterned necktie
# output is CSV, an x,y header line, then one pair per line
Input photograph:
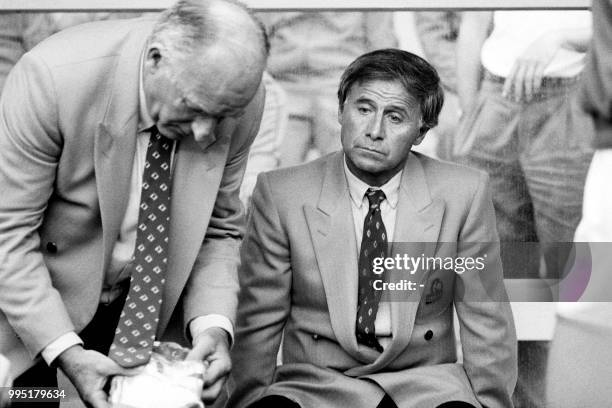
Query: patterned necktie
x,y
137,325
373,245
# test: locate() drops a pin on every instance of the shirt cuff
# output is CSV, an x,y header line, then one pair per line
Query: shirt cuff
x,y
202,323
59,345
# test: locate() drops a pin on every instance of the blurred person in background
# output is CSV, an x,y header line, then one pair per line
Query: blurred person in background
x,y
20,32
265,150
522,124
583,334
438,32
308,53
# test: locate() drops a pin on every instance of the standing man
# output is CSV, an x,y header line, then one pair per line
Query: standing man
x,y
584,329
122,149
307,269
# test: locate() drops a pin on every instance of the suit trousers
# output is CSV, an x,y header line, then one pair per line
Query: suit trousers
x,y
278,401
98,336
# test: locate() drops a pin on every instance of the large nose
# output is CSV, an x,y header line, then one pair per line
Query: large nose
x,y
375,127
202,128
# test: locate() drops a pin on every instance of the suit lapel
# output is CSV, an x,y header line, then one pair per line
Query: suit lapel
x,y
417,227
115,140
333,237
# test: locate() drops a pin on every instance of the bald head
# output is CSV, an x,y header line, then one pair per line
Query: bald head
x,y
204,62
192,25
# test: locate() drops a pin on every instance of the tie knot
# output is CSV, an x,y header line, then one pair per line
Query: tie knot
x,y
375,197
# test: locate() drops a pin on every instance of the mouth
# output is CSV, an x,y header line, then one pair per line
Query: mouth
x,y
369,150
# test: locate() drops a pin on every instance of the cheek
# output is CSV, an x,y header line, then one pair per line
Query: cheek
x,y
352,128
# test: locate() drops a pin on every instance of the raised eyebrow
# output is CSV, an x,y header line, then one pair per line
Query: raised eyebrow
x,y
398,109
365,99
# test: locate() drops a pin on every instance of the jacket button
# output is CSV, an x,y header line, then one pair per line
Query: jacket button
x,y
428,336
315,337
51,248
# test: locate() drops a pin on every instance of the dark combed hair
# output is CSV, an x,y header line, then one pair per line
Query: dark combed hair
x,y
416,75
194,19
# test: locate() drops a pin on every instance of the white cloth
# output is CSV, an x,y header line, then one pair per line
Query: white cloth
x,y
514,31
388,209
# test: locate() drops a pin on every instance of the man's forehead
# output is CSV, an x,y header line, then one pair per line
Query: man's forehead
x,y
382,89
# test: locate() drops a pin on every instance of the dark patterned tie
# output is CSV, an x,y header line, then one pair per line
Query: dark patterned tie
x,y
135,332
373,245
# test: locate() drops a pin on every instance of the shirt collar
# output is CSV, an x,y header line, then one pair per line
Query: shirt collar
x,y
145,121
358,188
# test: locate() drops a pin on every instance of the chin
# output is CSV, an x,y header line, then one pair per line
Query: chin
x,y
368,164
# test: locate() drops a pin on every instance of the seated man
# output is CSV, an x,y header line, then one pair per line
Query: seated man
x,y
309,272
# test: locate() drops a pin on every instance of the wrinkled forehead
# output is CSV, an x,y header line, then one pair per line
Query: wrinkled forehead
x,y
387,89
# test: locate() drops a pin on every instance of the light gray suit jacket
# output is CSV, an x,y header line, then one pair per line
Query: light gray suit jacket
x,y
68,119
299,277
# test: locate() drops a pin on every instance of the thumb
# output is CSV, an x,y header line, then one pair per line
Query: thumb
x,y
116,369
130,372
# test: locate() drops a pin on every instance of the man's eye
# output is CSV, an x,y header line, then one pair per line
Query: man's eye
x,y
395,118
363,109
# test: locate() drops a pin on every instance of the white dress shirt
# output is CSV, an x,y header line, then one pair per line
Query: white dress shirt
x,y
126,241
388,208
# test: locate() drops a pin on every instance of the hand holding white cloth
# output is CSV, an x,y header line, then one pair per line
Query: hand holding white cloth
x,y
167,381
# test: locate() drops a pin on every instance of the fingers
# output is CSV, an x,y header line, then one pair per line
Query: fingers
x,y
538,76
509,82
519,81
215,377
219,368
106,366
524,81
97,399
211,393
128,372
528,83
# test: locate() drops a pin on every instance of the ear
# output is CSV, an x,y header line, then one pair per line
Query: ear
x,y
340,110
153,57
422,133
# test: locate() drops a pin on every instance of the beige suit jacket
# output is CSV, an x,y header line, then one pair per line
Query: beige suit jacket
x,y
299,277
68,124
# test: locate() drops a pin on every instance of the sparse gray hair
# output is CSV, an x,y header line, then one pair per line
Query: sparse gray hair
x,y
190,23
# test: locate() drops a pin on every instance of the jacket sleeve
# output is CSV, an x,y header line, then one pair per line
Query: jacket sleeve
x,y
30,147
487,330
265,281
213,283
